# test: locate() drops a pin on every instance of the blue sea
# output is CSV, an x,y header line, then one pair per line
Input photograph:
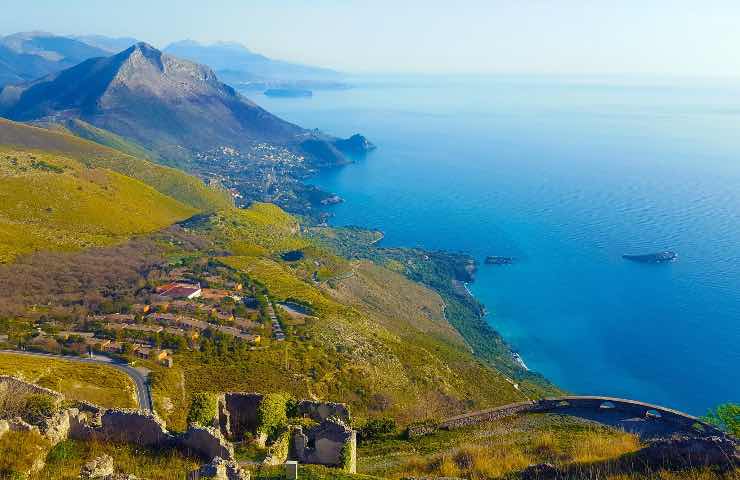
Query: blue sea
x,y
566,175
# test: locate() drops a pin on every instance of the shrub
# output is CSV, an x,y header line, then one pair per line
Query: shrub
x,y
272,414
39,407
346,454
726,417
377,428
203,409
280,447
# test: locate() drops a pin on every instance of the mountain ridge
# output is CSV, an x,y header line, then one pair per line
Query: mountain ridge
x,y
160,102
25,56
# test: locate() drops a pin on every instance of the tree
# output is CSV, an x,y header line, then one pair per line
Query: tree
x,y
272,413
726,417
203,409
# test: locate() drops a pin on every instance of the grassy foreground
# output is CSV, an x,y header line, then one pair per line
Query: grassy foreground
x,y
99,384
502,449
65,460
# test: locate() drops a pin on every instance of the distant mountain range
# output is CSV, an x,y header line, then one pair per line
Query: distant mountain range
x,y
173,107
31,55
109,44
27,56
238,65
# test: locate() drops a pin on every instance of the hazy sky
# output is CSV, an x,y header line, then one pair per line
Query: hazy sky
x,y
685,37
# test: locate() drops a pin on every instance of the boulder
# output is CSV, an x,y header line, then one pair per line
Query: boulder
x,y
56,428
100,467
540,471
220,469
683,452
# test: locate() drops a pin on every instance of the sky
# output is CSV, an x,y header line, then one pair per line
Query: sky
x,y
563,37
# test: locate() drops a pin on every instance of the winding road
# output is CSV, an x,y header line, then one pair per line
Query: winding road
x,y
143,394
644,419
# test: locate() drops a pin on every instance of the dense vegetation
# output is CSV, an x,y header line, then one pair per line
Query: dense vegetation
x,y
203,409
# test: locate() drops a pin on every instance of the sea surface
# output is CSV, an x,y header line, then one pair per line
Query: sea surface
x,y
566,175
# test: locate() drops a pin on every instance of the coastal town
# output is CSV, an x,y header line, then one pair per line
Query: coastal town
x,y
264,173
178,316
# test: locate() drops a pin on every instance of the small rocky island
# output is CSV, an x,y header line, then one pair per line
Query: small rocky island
x,y
355,145
659,257
497,260
288,92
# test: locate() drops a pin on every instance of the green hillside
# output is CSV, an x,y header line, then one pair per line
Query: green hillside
x,y
109,139
50,202
168,181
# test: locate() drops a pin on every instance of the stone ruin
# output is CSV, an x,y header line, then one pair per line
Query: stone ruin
x,y
90,422
330,443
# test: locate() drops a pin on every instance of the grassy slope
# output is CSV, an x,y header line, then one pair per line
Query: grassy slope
x,y
168,181
503,448
380,341
109,139
49,202
436,270
99,384
495,449
65,460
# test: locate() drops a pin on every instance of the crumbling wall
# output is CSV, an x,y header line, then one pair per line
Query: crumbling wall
x,y
238,413
330,443
320,411
13,385
207,442
125,426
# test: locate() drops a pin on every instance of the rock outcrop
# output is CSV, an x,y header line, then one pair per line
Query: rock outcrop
x,y
100,467
220,469
684,452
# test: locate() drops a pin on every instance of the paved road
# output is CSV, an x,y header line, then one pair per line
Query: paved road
x,y
142,390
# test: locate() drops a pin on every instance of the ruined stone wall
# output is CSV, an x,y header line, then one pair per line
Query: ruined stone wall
x,y
489,415
320,411
129,426
206,442
576,404
16,386
238,413
331,443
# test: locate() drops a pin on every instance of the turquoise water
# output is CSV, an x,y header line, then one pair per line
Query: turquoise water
x,y
566,175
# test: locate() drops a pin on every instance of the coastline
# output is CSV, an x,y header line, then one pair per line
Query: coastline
x,y
515,356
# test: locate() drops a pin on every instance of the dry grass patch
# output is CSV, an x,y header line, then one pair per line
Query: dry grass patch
x,y
65,460
100,384
497,449
19,451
